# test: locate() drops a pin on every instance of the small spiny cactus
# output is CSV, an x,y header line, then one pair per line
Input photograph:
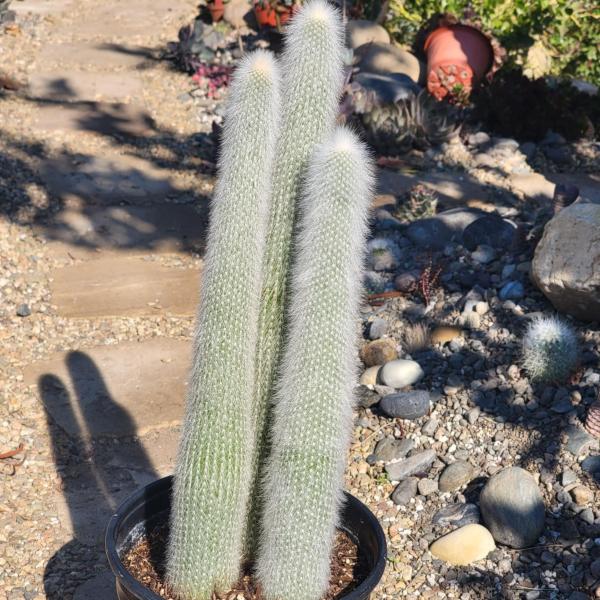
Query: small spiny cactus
x,y
592,420
312,415
213,471
418,203
550,350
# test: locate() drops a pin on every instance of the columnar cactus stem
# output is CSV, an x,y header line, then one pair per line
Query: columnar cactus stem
x,y
312,78
213,468
312,414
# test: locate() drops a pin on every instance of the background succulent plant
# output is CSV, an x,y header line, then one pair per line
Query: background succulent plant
x,y
418,203
550,350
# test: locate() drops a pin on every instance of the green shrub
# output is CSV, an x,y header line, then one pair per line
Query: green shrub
x,y
547,37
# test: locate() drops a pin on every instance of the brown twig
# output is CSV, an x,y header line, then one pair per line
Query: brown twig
x,y
11,453
384,295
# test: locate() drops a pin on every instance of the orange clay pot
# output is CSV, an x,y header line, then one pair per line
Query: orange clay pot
x,y
458,57
266,15
217,10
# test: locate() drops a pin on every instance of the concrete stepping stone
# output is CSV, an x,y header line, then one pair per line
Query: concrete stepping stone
x,y
119,391
113,120
40,7
107,180
124,286
80,55
162,229
126,19
73,86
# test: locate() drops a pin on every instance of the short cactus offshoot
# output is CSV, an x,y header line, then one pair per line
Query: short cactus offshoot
x,y
213,467
312,417
550,350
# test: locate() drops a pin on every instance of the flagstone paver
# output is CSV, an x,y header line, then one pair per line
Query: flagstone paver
x,y
109,119
83,54
124,286
41,7
123,390
85,234
107,180
72,86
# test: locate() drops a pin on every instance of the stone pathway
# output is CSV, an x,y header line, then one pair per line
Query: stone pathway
x,y
106,193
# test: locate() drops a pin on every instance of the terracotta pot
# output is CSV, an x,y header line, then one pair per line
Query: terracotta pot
x,y
458,56
266,14
217,10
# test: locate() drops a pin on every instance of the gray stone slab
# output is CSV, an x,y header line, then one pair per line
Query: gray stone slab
x,y
126,19
40,7
74,86
107,180
453,188
124,286
108,119
115,391
81,54
541,186
163,229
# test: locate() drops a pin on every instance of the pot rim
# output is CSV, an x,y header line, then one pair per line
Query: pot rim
x,y
450,28
138,497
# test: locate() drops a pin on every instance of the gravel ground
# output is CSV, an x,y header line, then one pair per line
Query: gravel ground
x,y
486,412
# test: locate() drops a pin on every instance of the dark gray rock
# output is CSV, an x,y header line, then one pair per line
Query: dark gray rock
x,y
377,328
388,88
455,476
591,464
366,397
579,440
457,515
492,230
562,406
513,290
435,233
389,449
23,310
405,490
417,463
528,149
512,508
406,405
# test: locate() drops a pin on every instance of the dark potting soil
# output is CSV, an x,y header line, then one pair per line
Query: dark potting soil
x,y
146,562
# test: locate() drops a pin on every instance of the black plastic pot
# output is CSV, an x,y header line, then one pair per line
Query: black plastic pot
x,y
150,506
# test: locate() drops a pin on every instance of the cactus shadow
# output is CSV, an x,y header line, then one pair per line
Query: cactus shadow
x,y
95,472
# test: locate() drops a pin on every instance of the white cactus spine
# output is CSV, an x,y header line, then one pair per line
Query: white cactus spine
x,y
312,415
550,350
214,464
312,78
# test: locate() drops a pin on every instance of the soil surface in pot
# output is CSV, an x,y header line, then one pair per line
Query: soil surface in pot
x,y
146,562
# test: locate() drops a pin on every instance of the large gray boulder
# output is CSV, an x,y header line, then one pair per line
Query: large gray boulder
x,y
385,59
566,265
360,31
512,508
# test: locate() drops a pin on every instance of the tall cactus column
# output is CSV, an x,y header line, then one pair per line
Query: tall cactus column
x,y
214,464
312,411
312,77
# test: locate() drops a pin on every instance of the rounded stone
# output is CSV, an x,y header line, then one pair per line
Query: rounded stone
x,y
384,59
406,405
445,334
491,230
513,508
361,31
377,328
456,475
369,377
400,373
405,491
378,352
464,546
565,263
